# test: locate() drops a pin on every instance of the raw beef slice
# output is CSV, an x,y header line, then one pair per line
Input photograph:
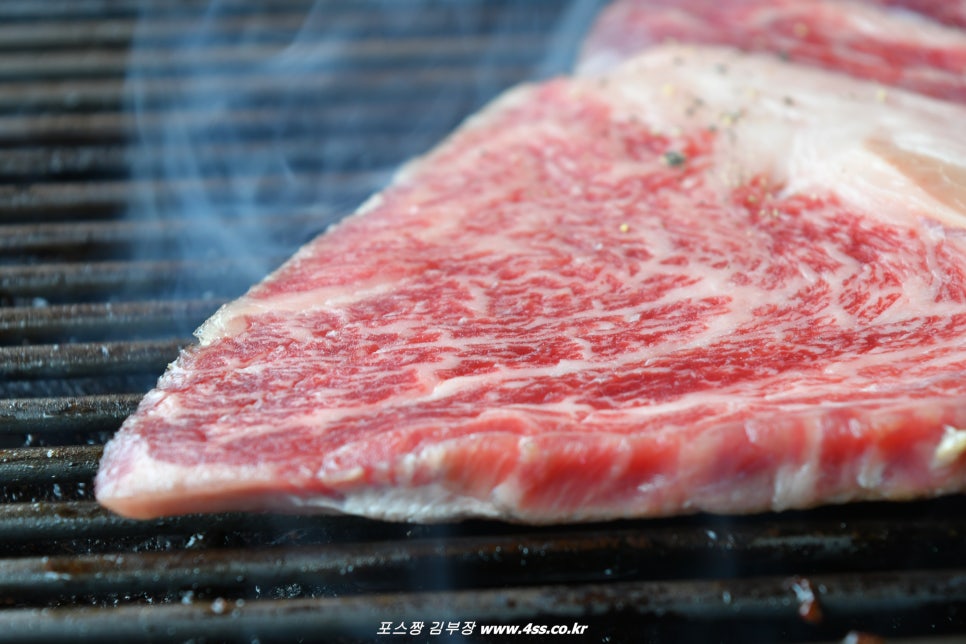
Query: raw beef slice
x,y
706,281
862,39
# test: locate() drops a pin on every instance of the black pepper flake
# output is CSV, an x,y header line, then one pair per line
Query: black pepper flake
x,y
674,159
695,105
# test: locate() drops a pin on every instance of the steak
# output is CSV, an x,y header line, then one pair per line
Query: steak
x,y
704,281
863,39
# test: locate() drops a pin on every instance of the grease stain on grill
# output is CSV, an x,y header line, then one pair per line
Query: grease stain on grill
x,y
808,604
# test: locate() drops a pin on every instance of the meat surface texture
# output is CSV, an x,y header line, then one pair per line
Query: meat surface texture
x,y
950,12
865,39
706,281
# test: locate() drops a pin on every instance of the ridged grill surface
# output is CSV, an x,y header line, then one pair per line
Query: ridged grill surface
x,y
131,132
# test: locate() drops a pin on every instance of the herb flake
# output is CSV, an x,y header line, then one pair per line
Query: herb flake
x,y
674,159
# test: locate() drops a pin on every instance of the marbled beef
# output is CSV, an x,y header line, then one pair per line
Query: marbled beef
x,y
861,38
704,281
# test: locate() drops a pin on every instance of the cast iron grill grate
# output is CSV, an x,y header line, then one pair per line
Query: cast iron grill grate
x,y
99,289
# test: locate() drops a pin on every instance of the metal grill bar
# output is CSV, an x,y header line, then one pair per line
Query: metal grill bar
x,y
100,127
402,52
40,128
67,238
83,359
82,413
24,525
58,281
101,94
42,162
40,528
118,32
89,196
79,321
100,10
44,464
94,162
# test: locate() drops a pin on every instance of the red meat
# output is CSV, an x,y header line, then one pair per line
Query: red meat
x,y
858,38
705,281
950,12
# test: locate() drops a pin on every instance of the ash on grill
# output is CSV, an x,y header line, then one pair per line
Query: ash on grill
x,y
96,296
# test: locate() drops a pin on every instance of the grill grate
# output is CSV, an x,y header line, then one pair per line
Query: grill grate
x,y
105,269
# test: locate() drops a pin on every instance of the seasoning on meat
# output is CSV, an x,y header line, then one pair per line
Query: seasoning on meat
x,y
568,329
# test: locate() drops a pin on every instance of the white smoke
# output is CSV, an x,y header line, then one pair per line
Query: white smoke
x,y
261,124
